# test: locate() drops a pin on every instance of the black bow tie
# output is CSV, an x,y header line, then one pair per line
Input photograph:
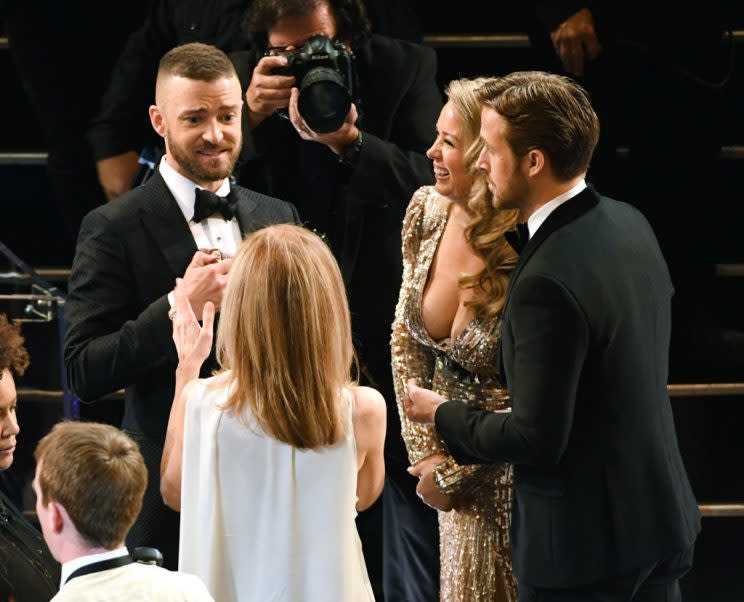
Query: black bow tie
x,y
519,237
207,203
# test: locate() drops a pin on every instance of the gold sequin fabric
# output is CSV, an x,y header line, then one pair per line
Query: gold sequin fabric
x,y
474,538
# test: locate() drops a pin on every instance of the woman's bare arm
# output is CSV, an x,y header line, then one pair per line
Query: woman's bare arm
x,y
370,421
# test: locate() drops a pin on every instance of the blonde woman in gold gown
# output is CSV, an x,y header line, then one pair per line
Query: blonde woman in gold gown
x,y
456,266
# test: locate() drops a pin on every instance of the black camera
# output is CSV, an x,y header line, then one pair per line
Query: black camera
x,y
325,76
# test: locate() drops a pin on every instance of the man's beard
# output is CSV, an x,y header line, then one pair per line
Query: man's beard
x,y
199,172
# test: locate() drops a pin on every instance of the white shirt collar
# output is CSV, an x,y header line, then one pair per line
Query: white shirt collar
x,y
71,566
538,217
183,189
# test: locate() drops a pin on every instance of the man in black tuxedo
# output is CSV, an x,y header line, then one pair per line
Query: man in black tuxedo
x,y
353,184
603,509
130,252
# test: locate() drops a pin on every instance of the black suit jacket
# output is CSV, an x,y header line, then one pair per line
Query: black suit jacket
x,y
600,488
399,108
128,256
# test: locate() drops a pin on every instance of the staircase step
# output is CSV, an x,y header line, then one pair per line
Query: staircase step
x,y
52,274
721,510
502,40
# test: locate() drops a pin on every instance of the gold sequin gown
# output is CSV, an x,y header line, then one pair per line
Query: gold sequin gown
x,y
474,540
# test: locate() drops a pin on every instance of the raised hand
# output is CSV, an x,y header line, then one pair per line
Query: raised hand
x,y
205,280
193,342
575,41
337,140
267,92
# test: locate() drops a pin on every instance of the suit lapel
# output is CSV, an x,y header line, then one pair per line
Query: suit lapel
x,y
164,220
248,200
564,214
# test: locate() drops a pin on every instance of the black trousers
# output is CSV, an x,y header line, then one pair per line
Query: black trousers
x,y
658,582
410,539
157,526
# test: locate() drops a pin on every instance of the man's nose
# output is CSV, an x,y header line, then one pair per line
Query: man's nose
x,y
481,162
213,132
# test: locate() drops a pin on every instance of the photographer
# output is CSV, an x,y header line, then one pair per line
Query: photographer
x,y
352,185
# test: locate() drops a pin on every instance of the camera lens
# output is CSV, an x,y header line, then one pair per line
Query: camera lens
x,y
324,100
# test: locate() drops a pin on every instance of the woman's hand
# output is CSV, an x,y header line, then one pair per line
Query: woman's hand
x,y
193,342
427,489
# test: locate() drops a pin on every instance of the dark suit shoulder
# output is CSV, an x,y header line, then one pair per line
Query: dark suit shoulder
x,y
265,210
400,54
124,210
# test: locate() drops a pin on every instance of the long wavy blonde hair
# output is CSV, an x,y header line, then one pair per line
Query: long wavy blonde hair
x,y
285,332
486,233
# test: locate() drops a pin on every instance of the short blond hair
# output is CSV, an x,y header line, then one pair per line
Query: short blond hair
x,y
98,474
285,332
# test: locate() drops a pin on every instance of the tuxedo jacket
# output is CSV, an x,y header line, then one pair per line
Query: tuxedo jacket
x,y
399,104
134,581
128,256
600,487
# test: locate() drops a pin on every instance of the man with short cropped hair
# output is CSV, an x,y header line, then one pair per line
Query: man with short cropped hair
x,y
186,221
89,483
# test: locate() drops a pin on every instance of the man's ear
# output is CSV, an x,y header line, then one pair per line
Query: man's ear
x,y
58,516
157,120
534,162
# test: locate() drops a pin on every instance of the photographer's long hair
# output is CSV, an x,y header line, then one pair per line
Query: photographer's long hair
x,y
285,332
352,23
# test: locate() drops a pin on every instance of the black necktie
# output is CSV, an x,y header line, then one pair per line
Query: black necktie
x,y
207,203
519,237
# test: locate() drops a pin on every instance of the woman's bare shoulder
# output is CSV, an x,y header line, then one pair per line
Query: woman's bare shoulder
x,y
370,404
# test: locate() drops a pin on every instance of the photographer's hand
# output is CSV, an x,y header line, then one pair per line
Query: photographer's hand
x,y
267,92
343,136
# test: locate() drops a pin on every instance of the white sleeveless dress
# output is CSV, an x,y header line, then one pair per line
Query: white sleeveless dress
x,y
262,521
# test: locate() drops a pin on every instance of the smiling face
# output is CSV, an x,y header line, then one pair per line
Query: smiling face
x,y
506,181
8,422
294,30
200,122
448,154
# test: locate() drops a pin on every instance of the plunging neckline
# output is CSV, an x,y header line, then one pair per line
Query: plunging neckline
x,y
449,341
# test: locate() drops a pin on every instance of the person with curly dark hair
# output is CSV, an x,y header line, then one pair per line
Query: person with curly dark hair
x,y
27,569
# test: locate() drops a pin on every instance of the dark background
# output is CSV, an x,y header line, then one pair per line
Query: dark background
x,y
80,45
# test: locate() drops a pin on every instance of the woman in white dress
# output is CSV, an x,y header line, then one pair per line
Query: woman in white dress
x,y
269,460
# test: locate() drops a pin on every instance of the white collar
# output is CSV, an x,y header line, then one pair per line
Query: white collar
x,y
183,189
71,566
541,214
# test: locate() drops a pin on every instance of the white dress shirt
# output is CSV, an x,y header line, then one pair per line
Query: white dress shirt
x,y
538,217
211,233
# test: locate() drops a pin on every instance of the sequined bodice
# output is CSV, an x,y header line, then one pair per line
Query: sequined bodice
x,y
474,538
466,364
